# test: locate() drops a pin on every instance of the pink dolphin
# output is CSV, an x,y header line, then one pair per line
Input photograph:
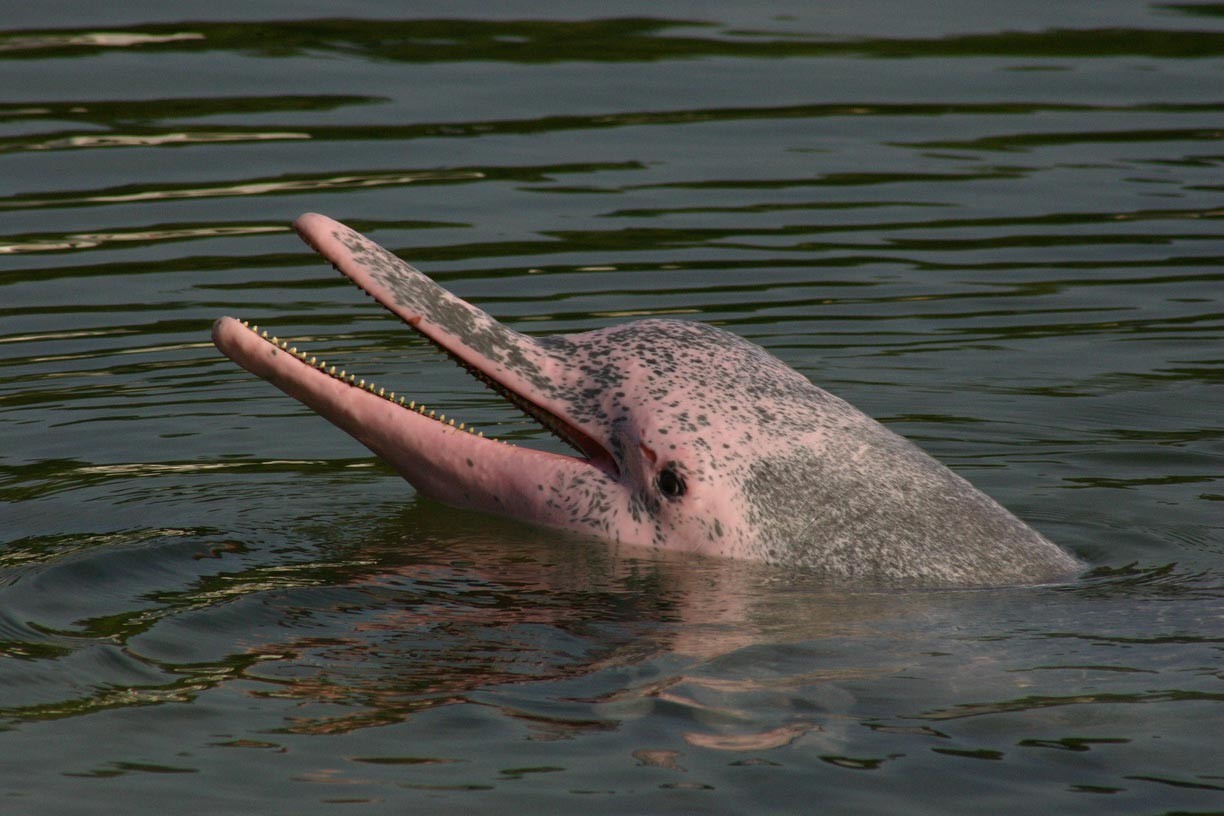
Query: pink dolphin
x,y
688,438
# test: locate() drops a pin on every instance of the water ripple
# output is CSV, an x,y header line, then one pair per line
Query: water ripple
x,y
998,233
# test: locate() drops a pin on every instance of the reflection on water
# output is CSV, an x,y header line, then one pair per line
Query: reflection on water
x,y
678,660
997,229
625,39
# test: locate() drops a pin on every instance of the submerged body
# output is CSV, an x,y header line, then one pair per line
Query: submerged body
x,y
690,438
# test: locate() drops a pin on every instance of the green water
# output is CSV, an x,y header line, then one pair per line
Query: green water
x,y
995,227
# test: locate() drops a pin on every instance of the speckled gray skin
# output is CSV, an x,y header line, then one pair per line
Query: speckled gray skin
x,y
691,439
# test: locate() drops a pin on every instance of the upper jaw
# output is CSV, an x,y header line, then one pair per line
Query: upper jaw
x,y
514,365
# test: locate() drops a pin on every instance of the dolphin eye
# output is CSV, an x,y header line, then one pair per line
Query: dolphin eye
x,y
671,483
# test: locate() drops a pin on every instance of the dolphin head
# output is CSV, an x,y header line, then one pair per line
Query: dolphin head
x,y
686,437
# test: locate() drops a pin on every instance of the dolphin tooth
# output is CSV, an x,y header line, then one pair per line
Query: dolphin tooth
x,y
264,335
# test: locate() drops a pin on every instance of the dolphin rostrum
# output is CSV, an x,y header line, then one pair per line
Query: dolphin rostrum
x,y
688,438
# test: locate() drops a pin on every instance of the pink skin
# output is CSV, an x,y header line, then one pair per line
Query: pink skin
x,y
452,466
431,454
690,438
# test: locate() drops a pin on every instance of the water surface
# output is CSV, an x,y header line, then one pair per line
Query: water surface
x,y
995,228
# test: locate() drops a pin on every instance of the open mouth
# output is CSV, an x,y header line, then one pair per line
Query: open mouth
x,y
354,381
590,450
450,324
